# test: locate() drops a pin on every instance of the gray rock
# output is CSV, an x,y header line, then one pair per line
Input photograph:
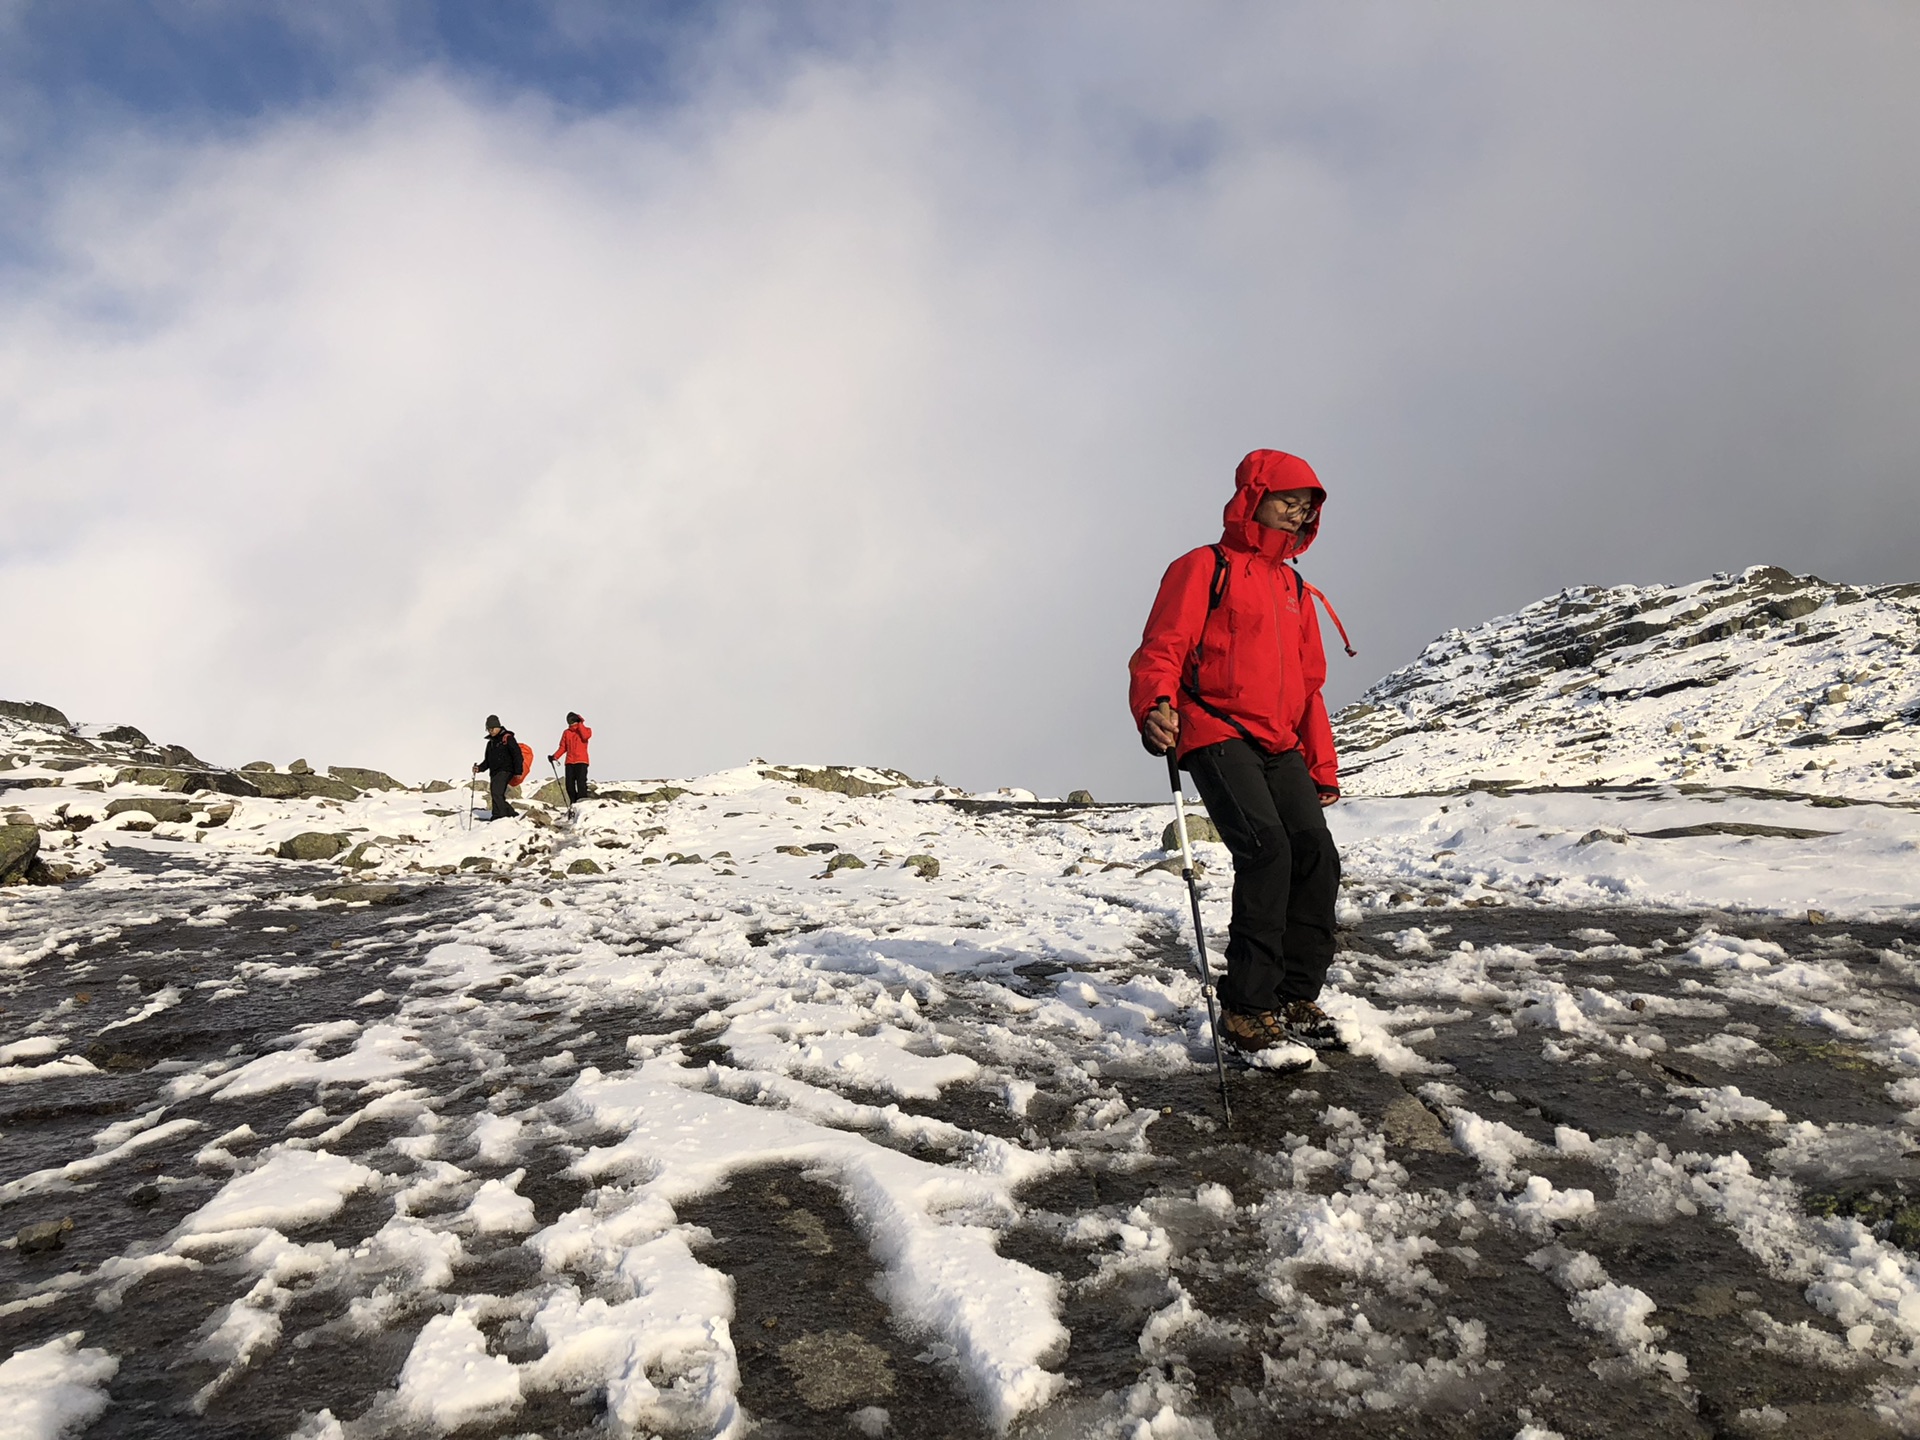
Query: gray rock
x,y
19,849
313,845
584,866
1199,828
1410,1125
216,815
1172,866
1594,837
551,793
1080,797
436,787
364,779
834,779
925,866
845,861
124,735
47,1235
188,782
365,894
300,767
34,713
832,1370
266,765
160,807
302,787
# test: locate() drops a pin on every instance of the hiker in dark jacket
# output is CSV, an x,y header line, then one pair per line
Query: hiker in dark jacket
x,y
501,762
1228,674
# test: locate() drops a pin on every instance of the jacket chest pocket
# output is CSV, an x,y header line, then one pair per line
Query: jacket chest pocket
x,y
1234,635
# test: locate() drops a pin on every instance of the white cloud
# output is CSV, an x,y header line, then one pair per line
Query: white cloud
x,y
851,410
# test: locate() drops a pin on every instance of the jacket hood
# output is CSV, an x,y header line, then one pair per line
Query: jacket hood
x,y
1259,475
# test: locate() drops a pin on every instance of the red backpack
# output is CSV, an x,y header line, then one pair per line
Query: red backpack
x,y
526,760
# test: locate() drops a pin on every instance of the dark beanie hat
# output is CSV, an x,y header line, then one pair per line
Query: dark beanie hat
x,y
493,722
573,717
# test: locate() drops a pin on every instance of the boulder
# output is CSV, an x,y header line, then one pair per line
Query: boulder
x,y
301,787
19,848
364,779
33,712
363,894
584,866
266,765
160,807
216,815
1199,828
313,845
834,778
551,793
925,866
43,1237
363,856
299,767
223,782
845,861
123,735
436,787
1080,797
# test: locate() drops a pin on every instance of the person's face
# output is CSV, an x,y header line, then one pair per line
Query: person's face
x,y
1287,510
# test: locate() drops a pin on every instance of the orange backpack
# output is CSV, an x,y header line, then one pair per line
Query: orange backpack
x,y
526,762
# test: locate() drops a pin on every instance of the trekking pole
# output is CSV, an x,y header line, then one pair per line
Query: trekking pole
x,y
1199,930
565,788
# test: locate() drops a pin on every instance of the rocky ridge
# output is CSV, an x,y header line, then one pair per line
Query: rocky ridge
x,y
1761,679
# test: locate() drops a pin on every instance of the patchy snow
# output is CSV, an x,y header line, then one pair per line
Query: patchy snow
x,y
985,1039
55,1389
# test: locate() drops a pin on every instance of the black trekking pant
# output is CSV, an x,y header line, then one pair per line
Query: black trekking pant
x,y
497,781
576,783
1286,872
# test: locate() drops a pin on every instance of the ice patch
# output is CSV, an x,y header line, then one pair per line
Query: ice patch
x,y
450,1380
496,1210
53,1390
290,1189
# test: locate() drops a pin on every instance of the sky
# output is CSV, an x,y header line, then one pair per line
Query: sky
x,y
832,383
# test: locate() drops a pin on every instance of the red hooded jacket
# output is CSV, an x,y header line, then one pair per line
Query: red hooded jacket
x,y
1252,667
573,743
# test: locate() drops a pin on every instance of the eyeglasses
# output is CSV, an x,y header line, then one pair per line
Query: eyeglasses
x,y
1295,505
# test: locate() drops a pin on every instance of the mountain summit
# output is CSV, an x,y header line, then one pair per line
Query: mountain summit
x,y
1762,678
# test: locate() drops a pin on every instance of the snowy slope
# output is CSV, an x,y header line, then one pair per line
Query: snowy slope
x,y
1762,679
457,1091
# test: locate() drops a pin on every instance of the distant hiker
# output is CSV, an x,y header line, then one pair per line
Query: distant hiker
x,y
573,745
503,761
1228,673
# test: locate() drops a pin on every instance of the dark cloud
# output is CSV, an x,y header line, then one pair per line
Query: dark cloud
x,y
844,398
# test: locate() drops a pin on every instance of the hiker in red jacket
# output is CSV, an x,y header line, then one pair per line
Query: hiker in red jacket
x,y
573,745
1228,674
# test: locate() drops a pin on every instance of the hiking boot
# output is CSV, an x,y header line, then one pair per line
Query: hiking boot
x,y
1307,1024
1250,1031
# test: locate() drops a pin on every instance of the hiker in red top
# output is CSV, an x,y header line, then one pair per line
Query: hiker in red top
x,y
573,745
1228,674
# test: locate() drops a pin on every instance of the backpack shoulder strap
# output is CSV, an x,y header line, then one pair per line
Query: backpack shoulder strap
x,y
1334,615
1217,591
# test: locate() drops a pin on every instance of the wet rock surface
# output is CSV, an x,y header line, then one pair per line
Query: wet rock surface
x,y
1352,1258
